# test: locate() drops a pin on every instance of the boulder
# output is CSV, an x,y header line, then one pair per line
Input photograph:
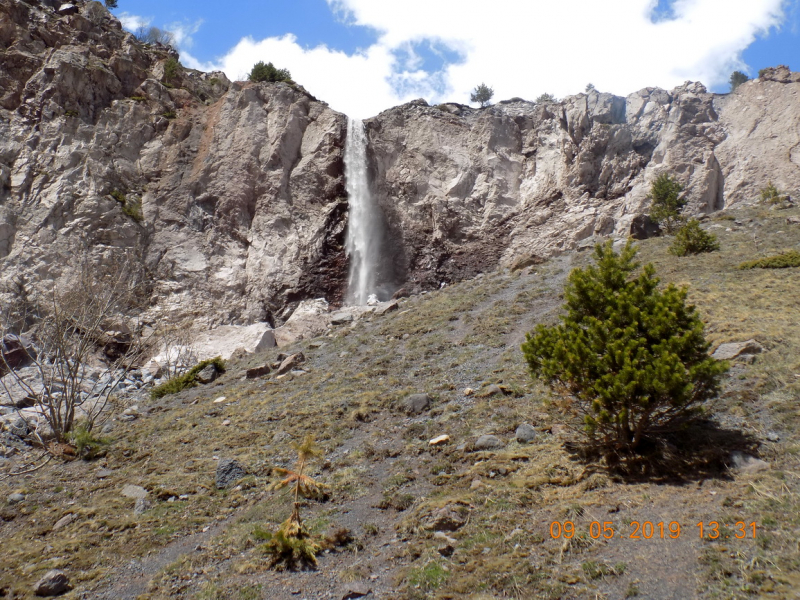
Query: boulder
x,y
208,374
229,472
16,498
386,307
643,228
290,362
736,349
257,372
224,341
15,352
53,583
525,434
309,319
488,442
416,404
342,317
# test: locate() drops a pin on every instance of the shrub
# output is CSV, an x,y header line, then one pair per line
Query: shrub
x,y
546,99
154,35
771,194
666,202
590,88
482,94
633,359
86,443
111,4
187,380
692,239
130,206
737,79
268,72
172,69
762,72
779,261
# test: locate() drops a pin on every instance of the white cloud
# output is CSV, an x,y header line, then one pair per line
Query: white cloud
x,y
134,22
183,32
519,47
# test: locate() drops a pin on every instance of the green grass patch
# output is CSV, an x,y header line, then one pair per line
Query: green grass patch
x,y
187,380
779,261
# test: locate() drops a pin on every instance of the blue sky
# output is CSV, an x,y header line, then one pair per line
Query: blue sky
x,y
363,56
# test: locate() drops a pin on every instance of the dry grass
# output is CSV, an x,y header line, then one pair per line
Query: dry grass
x,y
466,335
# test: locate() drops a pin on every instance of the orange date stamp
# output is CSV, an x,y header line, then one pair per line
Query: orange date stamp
x,y
646,530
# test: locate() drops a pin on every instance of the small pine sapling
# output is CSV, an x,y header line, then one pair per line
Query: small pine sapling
x,y
292,544
692,239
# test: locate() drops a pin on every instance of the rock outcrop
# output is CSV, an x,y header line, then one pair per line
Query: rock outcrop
x,y
230,195
231,199
464,189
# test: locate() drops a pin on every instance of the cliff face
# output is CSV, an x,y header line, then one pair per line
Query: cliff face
x,y
466,188
241,185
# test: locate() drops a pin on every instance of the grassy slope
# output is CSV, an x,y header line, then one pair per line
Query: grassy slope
x,y
466,335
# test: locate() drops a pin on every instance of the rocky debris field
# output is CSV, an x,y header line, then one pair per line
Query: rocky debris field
x,y
446,463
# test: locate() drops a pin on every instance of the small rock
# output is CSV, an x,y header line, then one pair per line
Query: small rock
x,y
290,362
441,535
67,9
256,372
63,521
468,391
316,344
52,584
340,318
356,590
219,400
488,442
228,471
525,433
207,375
773,437
446,549
416,403
492,390
438,441
793,220
134,491
226,422
141,506
476,484
736,349
16,498
103,473
445,519
747,464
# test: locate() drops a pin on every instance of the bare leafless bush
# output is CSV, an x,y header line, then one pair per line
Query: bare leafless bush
x,y
88,334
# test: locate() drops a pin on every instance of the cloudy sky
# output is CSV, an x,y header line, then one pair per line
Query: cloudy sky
x,y
363,56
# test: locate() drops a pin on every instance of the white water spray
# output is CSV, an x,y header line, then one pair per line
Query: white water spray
x,y
364,223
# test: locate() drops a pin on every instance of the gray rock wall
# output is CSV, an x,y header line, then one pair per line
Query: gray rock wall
x,y
241,185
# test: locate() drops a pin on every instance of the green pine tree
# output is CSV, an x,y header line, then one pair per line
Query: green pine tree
x,y
633,358
667,202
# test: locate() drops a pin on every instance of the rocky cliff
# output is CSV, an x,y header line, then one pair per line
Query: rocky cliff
x,y
464,188
231,196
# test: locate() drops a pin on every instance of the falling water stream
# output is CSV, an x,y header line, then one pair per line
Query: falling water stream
x,y
364,222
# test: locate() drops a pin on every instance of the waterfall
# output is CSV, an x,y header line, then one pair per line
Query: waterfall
x,y
364,222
